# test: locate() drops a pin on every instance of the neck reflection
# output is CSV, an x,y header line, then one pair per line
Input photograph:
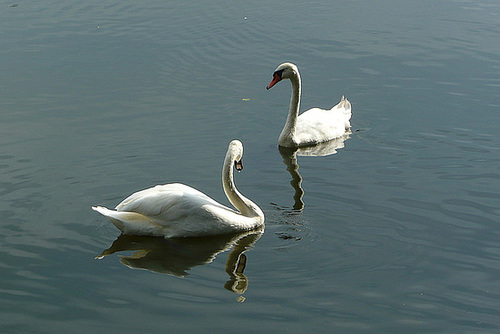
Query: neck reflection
x,y
289,156
177,256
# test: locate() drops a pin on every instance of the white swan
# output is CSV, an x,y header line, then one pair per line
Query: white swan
x,y
314,125
177,210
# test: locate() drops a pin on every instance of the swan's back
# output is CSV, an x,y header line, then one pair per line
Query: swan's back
x,y
159,199
175,205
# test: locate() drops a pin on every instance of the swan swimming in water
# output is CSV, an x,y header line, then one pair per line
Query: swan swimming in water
x,y
177,210
314,125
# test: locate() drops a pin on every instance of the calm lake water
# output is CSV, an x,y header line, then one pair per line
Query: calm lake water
x,y
398,232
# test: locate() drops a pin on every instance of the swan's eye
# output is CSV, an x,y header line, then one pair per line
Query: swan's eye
x,y
279,74
238,165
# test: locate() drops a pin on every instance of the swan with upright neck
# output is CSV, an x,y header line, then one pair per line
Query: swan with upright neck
x,y
315,125
177,210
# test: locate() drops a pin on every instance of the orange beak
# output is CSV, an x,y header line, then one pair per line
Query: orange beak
x,y
276,79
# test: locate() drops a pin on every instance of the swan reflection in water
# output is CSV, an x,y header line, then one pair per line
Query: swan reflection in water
x,y
289,156
176,256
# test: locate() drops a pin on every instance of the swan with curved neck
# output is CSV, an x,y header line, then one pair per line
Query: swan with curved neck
x,y
314,125
177,210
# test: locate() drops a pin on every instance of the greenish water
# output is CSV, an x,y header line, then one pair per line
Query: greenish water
x,y
398,231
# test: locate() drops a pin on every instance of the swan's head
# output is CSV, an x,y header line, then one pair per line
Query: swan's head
x,y
235,152
284,71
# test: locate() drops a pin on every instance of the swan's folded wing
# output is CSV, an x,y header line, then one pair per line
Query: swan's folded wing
x,y
319,125
175,198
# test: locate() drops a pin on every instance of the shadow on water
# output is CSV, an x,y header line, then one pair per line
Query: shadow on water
x,y
176,256
289,156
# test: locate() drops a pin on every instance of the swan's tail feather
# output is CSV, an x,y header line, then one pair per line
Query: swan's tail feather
x,y
345,105
103,211
119,219
100,209
130,222
110,214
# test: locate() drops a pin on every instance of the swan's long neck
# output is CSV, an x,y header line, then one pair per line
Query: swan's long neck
x,y
288,132
245,206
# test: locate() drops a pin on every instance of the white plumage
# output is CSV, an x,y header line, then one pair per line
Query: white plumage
x,y
314,125
177,210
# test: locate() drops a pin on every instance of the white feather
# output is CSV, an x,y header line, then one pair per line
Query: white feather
x,y
315,125
177,210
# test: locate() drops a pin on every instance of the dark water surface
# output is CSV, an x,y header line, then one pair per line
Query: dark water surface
x,y
399,230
